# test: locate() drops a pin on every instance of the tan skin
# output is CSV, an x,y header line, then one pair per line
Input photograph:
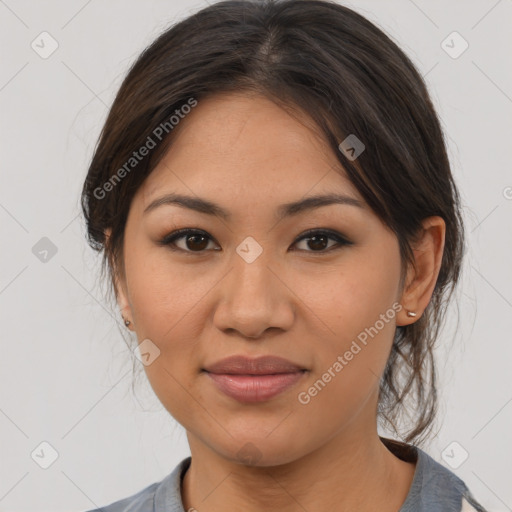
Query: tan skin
x,y
306,304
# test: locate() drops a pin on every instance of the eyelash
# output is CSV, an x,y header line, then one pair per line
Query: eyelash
x,y
170,239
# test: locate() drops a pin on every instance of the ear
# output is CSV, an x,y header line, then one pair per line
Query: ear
x,y
120,289
420,283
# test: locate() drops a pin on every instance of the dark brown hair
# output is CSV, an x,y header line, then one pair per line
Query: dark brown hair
x,y
324,60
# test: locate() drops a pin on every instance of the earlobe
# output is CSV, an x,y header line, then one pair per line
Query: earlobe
x,y
120,290
428,254
123,303
124,306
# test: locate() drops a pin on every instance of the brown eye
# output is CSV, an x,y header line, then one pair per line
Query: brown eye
x,y
188,240
317,241
196,242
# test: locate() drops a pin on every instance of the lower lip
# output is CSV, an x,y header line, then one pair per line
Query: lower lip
x,y
254,388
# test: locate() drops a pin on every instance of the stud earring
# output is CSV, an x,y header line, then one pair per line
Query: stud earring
x,y
411,313
126,322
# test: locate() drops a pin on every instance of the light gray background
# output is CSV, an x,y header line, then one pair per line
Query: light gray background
x,y
65,370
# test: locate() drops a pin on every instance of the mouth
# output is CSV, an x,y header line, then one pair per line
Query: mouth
x,y
254,380
255,388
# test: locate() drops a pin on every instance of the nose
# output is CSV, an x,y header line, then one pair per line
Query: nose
x,y
253,299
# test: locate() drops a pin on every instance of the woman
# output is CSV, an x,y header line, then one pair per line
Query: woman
x,y
274,202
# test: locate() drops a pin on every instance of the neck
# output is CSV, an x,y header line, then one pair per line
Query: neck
x,y
350,472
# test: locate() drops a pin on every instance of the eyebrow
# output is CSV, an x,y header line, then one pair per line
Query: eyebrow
x,y
285,210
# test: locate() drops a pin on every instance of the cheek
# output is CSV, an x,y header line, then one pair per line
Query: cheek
x,y
356,306
165,306
351,297
163,297
348,369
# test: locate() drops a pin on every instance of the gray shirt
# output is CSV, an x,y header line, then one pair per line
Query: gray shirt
x,y
434,489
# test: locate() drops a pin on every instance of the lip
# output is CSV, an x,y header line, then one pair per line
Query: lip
x,y
254,380
263,365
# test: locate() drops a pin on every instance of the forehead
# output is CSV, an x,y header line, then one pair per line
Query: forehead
x,y
248,144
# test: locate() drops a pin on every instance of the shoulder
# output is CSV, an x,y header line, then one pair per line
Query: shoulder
x,y
163,495
143,501
437,489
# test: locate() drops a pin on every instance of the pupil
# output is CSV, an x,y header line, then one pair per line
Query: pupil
x,y
315,239
192,237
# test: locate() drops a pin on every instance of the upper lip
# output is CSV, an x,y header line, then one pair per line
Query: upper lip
x,y
263,365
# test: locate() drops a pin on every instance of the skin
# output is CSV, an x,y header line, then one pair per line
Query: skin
x,y
249,156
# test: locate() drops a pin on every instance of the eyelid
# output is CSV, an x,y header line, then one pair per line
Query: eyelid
x,y
341,240
326,232
168,240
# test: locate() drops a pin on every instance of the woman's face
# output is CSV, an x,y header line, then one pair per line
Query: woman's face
x,y
254,285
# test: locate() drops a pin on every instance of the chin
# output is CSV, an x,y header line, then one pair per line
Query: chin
x,y
262,452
